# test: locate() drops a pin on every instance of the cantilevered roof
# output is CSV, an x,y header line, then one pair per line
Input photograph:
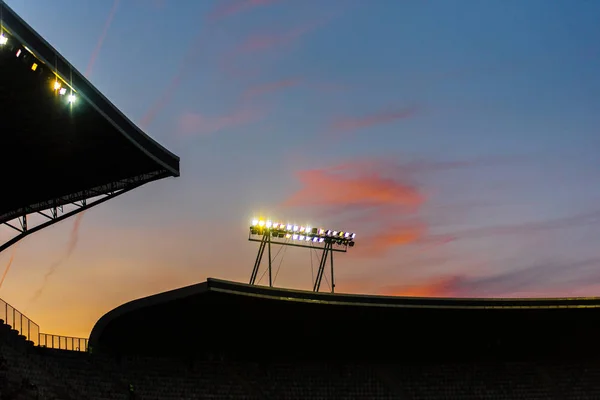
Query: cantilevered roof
x,y
55,151
187,319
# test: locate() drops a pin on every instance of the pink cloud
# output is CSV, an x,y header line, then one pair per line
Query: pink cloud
x,y
389,203
271,87
237,6
198,124
348,124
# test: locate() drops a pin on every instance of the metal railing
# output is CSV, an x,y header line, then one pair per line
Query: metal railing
x,y
19,322
63,342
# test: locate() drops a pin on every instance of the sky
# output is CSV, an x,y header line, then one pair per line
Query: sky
x,y
458,139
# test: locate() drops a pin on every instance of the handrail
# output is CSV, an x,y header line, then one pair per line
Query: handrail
x,y
19,322
26,327
60,342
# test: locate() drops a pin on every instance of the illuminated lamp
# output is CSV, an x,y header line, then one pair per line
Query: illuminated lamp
x,y
3,40
71,99
275,233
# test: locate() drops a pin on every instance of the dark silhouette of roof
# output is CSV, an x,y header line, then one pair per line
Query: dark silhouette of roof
x,y
226,317
55,153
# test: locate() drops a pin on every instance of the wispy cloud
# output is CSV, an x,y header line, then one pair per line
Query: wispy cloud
x,y
350,124
553,278
191,124
527,228
386,201
270,87
227,8
264,42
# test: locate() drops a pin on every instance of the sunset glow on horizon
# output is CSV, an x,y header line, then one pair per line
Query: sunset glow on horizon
x,y
458,139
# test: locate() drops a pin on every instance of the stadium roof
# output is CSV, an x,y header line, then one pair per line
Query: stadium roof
x,y
63,141
237,316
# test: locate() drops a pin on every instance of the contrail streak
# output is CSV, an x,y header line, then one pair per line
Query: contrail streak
x,y
10,261
107,24
70,248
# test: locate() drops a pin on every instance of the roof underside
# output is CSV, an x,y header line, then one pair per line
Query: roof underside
x,y
184,320
54,152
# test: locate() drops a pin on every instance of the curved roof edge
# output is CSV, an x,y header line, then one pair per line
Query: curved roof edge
x,y
242,289
17,27
218,285
143,302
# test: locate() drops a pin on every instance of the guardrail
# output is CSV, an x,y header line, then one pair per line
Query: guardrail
x,y
63,342
19,322
26,327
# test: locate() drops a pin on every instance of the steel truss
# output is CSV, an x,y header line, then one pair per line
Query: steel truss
x,y
265,243
53,210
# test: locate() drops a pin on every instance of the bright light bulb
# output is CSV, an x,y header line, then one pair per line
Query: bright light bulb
x,y
321,231
287,236
254,222
321,240
57,85
261,223
296,228
289,227
71,98
295,237
308,229
269,224
3,40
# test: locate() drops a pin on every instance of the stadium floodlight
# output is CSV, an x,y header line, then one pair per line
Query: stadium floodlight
x,y
57,83
268,232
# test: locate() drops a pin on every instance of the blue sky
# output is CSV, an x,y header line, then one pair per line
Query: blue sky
x,y
458,138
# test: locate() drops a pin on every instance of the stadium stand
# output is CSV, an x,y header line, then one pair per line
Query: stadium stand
x,y
68,144
225,340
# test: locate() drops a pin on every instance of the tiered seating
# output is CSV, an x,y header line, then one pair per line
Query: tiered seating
x,y
29,373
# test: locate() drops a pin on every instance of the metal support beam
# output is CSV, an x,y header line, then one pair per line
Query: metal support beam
x,y
267,239
55,214
265,243
327,251
261,250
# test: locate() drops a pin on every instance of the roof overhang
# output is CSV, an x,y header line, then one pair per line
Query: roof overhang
x,y
185,320
58,154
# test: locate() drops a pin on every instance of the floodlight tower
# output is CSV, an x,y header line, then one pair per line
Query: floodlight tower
x,y
328,241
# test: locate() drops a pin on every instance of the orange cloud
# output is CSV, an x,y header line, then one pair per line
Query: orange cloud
x,y
198,124
348,124
343,186
384,201
439,287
